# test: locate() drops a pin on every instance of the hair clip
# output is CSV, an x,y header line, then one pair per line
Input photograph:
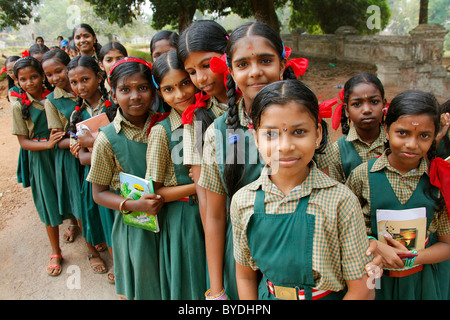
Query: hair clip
x,y
234,138
154,82
283,54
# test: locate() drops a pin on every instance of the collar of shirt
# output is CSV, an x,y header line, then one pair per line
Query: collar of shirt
x,y
120,122
353,136
383,163
315,180
59,93
97,110
175,120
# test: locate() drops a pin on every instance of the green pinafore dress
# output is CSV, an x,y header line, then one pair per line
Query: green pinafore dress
x,y
42,174
422,285
281,245
68,168
253,166
350,158
90,211
182,240
135,250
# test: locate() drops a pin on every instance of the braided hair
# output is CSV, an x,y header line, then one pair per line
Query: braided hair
x,y
90,63
34,63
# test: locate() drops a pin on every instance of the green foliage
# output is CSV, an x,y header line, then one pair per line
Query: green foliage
x,y
15,13
329,15
121,12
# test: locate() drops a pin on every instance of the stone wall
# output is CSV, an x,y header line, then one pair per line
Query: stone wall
x,y
412,62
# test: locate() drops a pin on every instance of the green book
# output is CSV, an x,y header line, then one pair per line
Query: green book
x,y
133,187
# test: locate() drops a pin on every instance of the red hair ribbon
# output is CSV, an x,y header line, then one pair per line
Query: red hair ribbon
x,y
336,119
200,102
298,65
3,70
46,93
219,65
325,111
25,54
108,103
22,96
157,117
77,108
130,59
440,177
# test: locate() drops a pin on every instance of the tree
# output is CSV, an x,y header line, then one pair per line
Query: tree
x,y
121,12
423,12
332,14
15,13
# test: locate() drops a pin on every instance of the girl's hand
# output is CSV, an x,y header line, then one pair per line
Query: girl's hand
x,y
445,124
150,203
390,252
86,140
74,149
55,136
375,267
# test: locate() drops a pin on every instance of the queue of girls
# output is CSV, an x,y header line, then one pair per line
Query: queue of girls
x,y
253,199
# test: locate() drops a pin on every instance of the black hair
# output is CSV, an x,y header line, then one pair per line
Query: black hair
x,y
172,36
202,35
170,61
127,69
90,63
233,171
39,38
445,108
25,62
38,48
415,102
57,54
88,28
9,60
114,45
351,83
72,46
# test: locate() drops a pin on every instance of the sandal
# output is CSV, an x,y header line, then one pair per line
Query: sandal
x,y
70,235
95,265
54,267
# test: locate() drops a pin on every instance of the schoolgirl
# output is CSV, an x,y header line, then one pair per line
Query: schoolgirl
x,y
163,41
402,180
30,127
37,51
293,221
9,64
256,57
363,104
182,247
86,80
86,40
201,42
58,108
121,146
72,49
108,56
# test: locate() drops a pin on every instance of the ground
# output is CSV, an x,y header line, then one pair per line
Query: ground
x,y
23,240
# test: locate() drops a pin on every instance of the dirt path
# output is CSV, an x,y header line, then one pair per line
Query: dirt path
x,y
24,246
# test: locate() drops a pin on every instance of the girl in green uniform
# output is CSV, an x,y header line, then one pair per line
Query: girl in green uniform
x,y
86,40
30,127
59,107
108,56
401,180
256,57
293,223
87,83
121,146
363,103
182,246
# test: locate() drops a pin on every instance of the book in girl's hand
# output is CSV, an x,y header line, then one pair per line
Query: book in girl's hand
x,y
133,187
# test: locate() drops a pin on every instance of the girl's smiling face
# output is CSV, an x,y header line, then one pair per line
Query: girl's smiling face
x,y
134,95
110,59
84,41
177,90
30,80
255,64
410,138
10,70
197,66
56,74
287,138
365,106
84,82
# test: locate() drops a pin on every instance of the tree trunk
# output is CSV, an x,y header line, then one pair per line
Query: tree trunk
x,y
186,15
264,11
423,14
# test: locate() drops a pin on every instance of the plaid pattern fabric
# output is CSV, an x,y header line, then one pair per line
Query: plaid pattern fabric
x,y
403,186
340,241
191,156
55,119
210,176
21,127
159,160
105,167
324,160
366,151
